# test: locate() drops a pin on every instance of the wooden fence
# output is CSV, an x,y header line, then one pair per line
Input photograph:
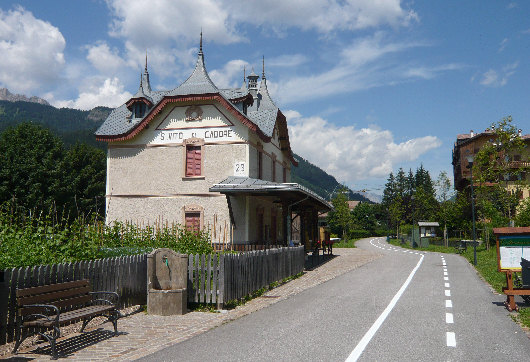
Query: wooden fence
x,y
217,279
125,275
212,279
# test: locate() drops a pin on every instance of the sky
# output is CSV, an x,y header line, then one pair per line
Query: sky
x,y
367,86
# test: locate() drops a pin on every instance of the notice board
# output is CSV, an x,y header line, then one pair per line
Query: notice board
x,y
512,245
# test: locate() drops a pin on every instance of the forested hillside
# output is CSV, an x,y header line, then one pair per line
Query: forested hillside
x,y
73,125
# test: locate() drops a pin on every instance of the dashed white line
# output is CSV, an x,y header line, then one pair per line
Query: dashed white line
x,y
449,318
446,278
448,303
451,339
447,293
447,285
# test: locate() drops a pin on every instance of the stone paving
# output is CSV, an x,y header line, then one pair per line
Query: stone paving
x,y
142,334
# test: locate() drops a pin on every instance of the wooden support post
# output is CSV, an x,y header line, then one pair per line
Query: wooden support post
x,y
510,298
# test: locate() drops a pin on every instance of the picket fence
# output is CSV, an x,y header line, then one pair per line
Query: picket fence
x,y
212,279
219,278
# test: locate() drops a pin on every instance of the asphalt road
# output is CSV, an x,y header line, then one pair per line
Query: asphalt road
x,y
405,306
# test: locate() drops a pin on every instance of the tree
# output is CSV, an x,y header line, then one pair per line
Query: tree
x,y
494,170
443,194
523,213
364,217
84,170
340,219
30,166
38,173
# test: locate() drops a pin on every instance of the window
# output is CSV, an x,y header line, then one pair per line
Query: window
x,y
260,164
259,225
273,167
193,161
274,231
193,221
139,110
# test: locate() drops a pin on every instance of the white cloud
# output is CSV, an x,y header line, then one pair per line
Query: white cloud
x,y
31,51
352,154
368,62
493,78
106,60
322,15
229,75
109,93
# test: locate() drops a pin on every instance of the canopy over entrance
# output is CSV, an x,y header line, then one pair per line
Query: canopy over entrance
x,y
295,200
291,193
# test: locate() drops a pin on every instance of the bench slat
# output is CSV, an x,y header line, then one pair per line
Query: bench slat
x,y
49,298
71,316
51,288
77,301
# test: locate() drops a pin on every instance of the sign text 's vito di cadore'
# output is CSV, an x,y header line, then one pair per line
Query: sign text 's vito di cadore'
x,y
210,134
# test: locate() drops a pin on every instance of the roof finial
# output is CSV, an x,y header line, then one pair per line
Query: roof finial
x,y
141,80
263,75
244,74
146,60
200,47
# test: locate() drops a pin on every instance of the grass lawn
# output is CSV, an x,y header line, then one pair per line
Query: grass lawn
x,y
345,244
486,266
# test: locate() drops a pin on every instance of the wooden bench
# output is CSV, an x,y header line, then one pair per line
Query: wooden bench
x,y
42,310
461,247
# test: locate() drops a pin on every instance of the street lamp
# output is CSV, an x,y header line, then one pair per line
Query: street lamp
x,y
469,158
412,210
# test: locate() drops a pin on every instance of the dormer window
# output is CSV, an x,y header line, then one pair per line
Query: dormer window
x,y
139,110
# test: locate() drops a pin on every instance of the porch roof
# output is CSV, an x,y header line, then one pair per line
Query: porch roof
x,y
285,192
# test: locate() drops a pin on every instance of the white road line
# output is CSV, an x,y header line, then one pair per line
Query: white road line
x,y
445,273
446,278
449,318
448,303
451,339
358,350
447,293
447,285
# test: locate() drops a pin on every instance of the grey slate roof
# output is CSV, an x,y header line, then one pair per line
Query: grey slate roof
x,y
120,121
263,112
199,81
234,184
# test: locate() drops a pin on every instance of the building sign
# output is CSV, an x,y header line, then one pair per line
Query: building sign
x,y
214,134
240,169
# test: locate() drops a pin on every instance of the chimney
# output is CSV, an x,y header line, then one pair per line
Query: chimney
x,y
471,133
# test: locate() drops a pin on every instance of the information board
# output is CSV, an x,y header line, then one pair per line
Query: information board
x,y
511,249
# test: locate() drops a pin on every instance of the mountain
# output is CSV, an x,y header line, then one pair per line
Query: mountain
x,y
317,180
74,125
6,95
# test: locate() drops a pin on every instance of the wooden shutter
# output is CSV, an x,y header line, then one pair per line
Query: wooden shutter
x,y
193,221
193,161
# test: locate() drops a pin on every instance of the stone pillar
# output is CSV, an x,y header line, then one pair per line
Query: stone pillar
x,y
167,279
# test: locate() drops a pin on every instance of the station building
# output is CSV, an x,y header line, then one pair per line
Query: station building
x,y
206,157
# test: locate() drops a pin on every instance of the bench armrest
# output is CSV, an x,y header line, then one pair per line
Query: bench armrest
x,y
112,294
45,307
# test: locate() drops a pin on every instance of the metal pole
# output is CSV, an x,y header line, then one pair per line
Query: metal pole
x,y
473,217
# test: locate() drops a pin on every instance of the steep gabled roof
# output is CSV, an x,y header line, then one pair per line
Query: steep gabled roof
x,y
261,119
199,81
